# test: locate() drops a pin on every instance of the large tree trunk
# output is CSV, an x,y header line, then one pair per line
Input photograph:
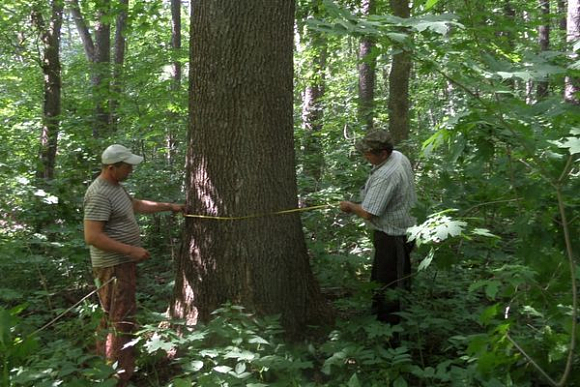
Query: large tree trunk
x,y
366,73
51,68
240,161
573,35
399,83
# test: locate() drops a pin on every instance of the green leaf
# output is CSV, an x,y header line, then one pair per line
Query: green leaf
x,y
222,369
353,381
430,4
492,288
400,382
427,260
156,343
483,232
179,382
488,314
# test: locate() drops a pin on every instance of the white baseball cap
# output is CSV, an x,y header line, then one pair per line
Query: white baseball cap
x,y
117,153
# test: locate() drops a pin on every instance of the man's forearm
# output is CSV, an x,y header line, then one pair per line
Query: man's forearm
x,y
150,207
356,209
103,242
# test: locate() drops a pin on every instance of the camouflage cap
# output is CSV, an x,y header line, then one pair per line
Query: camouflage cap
x,y
375,140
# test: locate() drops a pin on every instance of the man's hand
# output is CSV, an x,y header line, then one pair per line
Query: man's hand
x,y
138,254
354,208
346,207
177,207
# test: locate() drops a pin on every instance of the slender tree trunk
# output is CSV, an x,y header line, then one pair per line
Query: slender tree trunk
x,y
544,41
399,83
101,69
562,11
366,73
83,30
572,36
51,68
312,106
119,60
177,73
240,161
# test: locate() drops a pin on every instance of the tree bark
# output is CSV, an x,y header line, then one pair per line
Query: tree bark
x,y
98,53
366,73
572,84
544,42
101,69
83,30
177,73
312,105
51,68
398,104
118,60
240,161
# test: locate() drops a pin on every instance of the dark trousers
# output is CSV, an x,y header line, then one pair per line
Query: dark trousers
x,y
392,270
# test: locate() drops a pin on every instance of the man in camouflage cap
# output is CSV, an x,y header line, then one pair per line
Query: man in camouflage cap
x,y
386,202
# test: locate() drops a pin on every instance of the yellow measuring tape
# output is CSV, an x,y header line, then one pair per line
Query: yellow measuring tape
x,y
260,215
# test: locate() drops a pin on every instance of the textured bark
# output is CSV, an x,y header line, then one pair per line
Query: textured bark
x,y
240,161
573,35
544,41
366,73
51,68
399,83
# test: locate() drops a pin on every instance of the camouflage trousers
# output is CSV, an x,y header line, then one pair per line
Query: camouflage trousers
x,y
117,325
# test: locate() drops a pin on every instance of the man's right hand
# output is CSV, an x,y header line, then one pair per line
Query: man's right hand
x,y
138,254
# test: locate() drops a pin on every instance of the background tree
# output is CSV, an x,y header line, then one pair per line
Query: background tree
x,y
399,82
366,72
51,69
240,162
314,47
544,41
572,37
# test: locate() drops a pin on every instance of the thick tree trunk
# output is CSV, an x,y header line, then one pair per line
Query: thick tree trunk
x,y
399,83
573,35
366,73
51,68
240,161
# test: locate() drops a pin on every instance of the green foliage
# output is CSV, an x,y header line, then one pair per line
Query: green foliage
x,y
234,348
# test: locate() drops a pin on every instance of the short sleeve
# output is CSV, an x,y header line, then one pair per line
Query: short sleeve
x,y
378,194
97,207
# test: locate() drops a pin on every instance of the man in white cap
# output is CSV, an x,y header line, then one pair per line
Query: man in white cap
x,y
113,235
386,202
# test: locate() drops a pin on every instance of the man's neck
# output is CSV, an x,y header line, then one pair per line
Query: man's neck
x,y
107,176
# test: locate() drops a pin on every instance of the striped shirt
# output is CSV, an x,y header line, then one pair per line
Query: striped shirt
x,y
389,195
110,203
